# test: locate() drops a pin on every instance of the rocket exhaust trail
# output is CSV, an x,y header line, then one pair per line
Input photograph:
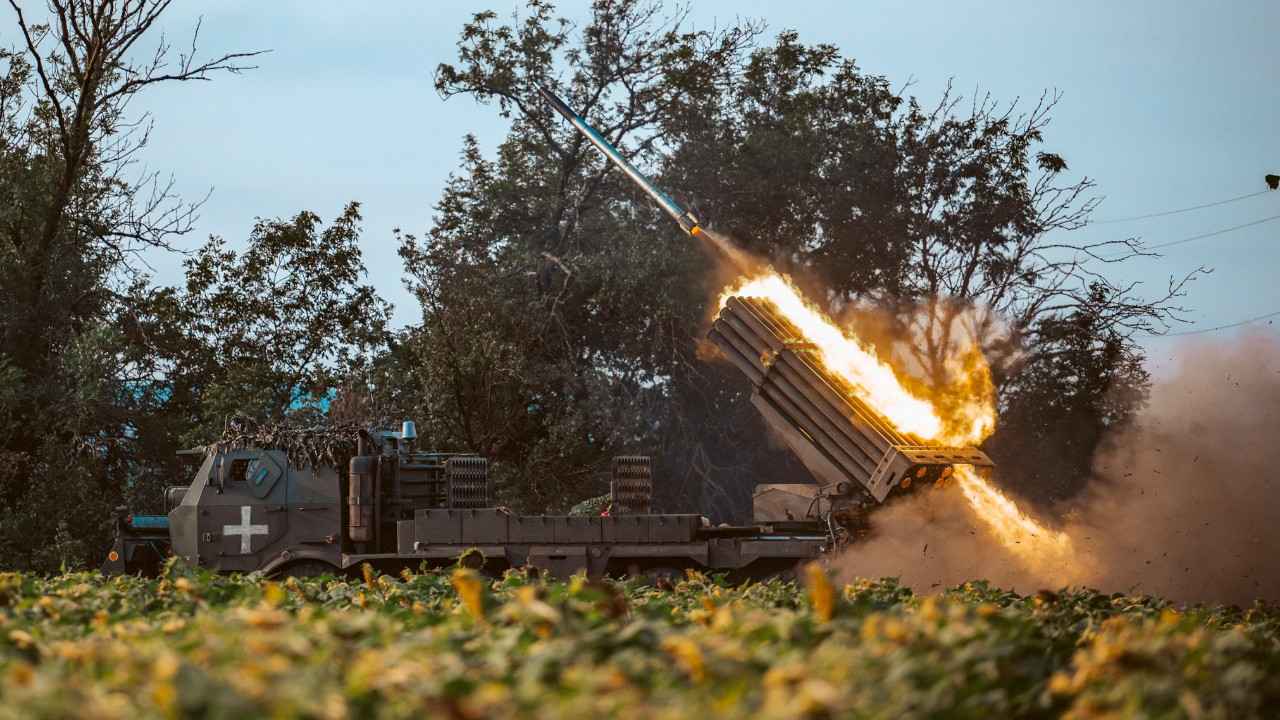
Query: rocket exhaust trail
x,y
687,221
715,242
729,255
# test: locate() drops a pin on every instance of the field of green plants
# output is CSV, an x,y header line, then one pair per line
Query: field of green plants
x,y
455,644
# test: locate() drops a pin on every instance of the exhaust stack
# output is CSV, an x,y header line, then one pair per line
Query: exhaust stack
x,y
687,221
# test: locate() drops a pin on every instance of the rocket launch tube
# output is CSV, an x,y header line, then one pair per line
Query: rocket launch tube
x,y
687,221
833,432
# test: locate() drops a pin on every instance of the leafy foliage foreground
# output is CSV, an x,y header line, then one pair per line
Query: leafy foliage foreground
x,y
192,644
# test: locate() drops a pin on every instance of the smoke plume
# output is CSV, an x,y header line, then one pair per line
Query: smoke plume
x,y
1184,503
729,262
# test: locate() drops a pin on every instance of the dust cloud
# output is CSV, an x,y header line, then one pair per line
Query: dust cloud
x,y
1185,503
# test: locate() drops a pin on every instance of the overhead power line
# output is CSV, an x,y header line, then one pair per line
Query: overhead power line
x,y
1197,237
1175,212
1220,327
1215,232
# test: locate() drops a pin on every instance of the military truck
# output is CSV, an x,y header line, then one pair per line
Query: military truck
x,y
279,505
305,502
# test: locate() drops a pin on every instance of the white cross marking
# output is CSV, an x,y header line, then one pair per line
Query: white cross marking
x,y
244,529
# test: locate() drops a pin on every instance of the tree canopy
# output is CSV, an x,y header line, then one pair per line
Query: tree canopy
x,y
102,374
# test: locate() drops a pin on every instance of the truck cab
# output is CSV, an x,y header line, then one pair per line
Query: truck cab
x,y
247,510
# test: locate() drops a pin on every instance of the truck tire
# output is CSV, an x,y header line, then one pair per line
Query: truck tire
x,y
784,576
670,574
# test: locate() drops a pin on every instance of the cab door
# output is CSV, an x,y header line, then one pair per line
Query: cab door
x,y
240,527
315,509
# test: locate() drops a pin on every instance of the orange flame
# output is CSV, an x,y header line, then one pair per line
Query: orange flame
x,y
970,415
1021,534
960,415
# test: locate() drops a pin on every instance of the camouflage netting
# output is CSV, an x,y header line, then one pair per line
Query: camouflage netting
x,y
590,506
315,447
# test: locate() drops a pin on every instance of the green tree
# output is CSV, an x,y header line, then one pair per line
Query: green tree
x,y
72,214
549,331
269,333
1082,379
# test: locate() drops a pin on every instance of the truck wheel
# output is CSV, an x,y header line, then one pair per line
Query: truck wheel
x,y
784,576
304,570
670,574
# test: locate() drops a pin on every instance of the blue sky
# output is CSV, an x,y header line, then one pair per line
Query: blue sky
x,y
1166,105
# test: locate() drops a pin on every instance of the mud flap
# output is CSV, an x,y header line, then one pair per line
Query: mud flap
x,y
115,558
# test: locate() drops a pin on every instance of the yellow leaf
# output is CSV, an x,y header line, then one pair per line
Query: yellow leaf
x,y
273,593
70,652
471,590
723,620
21,638
335,707
688,656
46,604
871,626
821,593
22,674
929,608
1060,683
165,667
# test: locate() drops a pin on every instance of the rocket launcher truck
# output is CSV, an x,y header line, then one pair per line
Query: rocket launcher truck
x,y
306,502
